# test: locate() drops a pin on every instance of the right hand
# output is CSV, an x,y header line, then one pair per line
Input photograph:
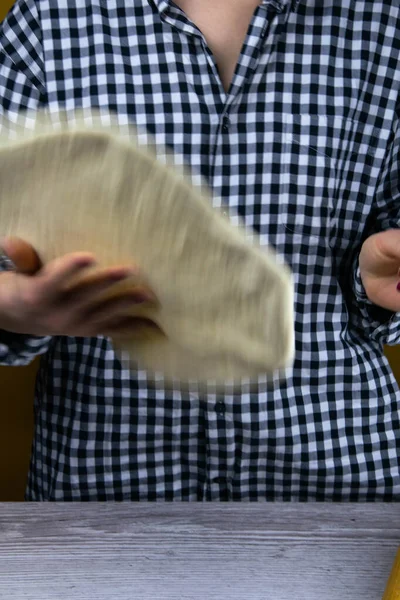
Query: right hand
x,y
44,300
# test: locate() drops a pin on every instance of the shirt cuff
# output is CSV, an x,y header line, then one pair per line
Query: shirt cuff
x,y
358,287
385,323
17,349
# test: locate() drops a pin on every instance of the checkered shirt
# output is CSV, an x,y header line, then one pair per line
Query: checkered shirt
x,y
304,148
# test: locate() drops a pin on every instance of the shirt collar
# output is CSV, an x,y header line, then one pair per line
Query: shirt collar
x,y
164,5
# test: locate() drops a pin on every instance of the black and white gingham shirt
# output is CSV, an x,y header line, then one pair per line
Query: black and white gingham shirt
x,y
305,149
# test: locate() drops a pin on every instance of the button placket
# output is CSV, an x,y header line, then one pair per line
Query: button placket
x,y
220,449
225,123
220,408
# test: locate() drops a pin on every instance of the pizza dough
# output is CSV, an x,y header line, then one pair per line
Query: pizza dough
x,y
225,305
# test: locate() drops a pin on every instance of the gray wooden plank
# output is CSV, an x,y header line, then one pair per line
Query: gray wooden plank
x,y
333,519
192,551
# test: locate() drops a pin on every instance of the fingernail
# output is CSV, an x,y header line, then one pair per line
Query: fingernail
x,y
86,262
120,275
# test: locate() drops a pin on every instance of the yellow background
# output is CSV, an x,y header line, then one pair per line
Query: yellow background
x,y
16,420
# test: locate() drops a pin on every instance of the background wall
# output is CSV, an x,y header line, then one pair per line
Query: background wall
x,y
16,408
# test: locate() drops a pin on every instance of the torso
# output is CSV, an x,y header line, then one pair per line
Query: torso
x,y
224,24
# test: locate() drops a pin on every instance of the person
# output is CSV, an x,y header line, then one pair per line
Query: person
x,y
290,111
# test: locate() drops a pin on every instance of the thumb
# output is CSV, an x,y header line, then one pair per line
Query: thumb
x,y
22,254
387,244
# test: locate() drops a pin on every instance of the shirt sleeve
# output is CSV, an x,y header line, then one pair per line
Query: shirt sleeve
x,y
384,325
21,88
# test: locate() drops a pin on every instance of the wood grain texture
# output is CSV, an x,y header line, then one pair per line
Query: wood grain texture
x,y
16,387
194,551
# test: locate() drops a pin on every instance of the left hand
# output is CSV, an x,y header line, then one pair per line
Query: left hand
x,y
379,267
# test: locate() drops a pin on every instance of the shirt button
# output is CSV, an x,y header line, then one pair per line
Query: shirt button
x,y
225,124
220,408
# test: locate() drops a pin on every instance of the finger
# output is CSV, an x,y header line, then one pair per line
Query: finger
x,y
132,327
385,294
390,296
92,284
102,311
55,276
387,246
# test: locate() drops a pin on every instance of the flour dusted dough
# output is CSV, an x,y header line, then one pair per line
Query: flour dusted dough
x,y
225,304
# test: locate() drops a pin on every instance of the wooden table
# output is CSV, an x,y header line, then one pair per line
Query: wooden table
x,y
195,551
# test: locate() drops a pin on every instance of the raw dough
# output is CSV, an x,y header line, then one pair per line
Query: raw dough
x,y
225,304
